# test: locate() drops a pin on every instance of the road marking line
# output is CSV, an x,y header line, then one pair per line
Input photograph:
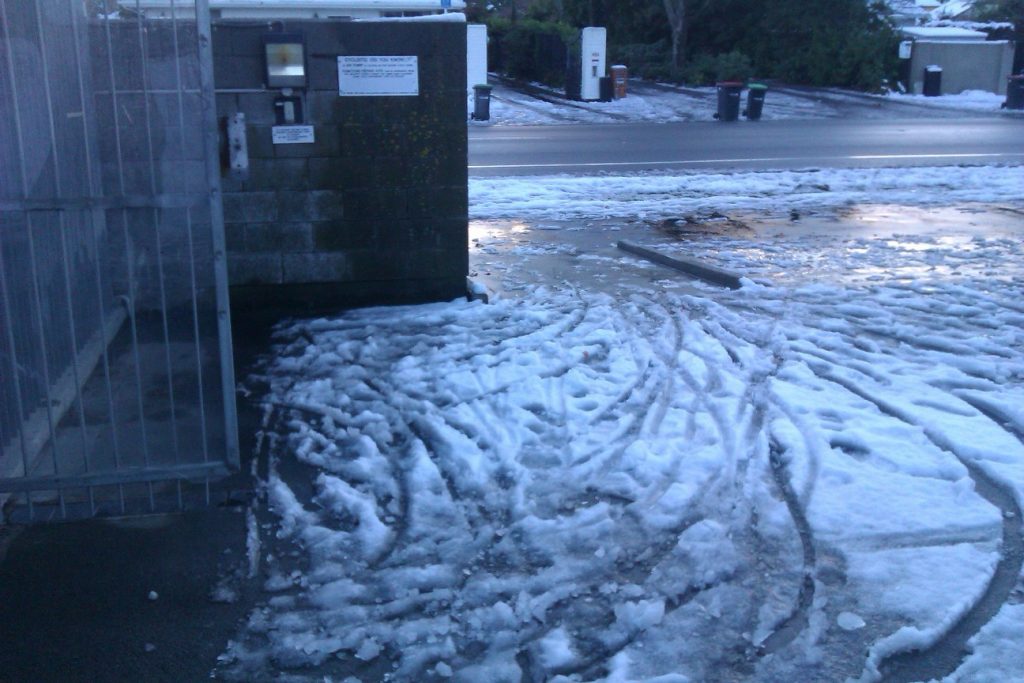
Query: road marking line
x,y
693,162
934,156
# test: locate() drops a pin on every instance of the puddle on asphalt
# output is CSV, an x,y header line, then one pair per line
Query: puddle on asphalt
x,y
857,245
512,257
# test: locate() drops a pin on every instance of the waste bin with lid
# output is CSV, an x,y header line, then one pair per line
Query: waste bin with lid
x,y
932,81
755,101
728,100
620,75
605,89
482,102
1015,92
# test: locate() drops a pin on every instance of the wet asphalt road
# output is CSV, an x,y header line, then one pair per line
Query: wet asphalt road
x,y
743,145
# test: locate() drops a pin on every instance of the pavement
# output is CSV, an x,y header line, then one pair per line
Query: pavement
x,y
75,597
742,145
158,598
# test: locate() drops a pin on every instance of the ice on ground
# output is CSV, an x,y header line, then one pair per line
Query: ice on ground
x,y
661,195
583,485
848,621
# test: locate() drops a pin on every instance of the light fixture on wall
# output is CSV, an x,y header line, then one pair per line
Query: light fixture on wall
x,y
285,55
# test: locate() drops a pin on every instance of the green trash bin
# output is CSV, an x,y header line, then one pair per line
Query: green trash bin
x,y
728,100
755,101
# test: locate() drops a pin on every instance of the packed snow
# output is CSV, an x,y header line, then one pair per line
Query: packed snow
x,y
969,100
607,480
673,194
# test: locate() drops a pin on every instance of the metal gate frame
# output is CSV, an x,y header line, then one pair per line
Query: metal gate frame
x,y
64,385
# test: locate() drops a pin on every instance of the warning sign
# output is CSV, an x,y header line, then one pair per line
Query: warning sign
x,y
378,75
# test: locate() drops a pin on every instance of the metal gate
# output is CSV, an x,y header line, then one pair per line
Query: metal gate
x,y
116,379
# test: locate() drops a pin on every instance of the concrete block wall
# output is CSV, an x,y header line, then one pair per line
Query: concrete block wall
x,y
375,210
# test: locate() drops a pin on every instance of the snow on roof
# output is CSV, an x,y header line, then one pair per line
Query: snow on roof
x,y
952,9
946,33
904,12
984,26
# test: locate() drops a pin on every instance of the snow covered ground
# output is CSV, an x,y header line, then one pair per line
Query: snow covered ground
x,y
969,100
625,479
658,103
673,194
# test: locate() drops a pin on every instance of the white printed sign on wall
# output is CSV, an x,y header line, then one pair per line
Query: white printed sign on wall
x,y
361,76
292,135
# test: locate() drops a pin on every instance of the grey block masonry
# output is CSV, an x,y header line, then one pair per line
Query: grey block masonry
x,y
376,209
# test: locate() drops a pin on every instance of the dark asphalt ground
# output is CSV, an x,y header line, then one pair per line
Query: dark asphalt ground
x,y
74,596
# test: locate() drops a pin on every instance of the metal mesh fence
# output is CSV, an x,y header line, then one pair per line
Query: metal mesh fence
x,y
115,356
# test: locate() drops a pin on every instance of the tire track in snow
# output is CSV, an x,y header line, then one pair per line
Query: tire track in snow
x,y
650,394
595,665
790,627
422,431
945,654
670,360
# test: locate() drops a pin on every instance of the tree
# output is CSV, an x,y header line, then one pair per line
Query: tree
x,y
675,10
1011,11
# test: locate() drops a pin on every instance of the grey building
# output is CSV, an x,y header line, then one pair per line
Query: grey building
x,y
969,61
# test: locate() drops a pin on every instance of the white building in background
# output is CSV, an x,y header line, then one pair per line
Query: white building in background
x,y
301,9
476,56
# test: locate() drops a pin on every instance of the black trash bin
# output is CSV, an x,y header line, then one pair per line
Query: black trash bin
x,y
1015,92
728,100
482,102
606,88
755,101
932,81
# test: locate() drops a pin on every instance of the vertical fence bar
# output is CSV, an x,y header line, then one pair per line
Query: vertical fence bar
x,y
16,379
212,154
94,224
137,357
131,283
74,361
44,347
120,174
22,415
179,82
62,227
157,221
41,330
